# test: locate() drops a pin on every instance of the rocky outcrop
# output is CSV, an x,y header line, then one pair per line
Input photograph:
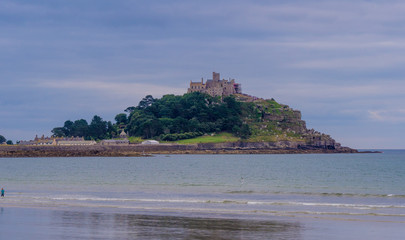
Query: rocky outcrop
x,y
287,119
282,121
280,145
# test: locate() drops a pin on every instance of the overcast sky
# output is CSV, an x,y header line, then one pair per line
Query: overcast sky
x,y
342,63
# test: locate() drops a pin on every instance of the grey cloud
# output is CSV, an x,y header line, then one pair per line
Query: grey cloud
x,y
334,60
395,115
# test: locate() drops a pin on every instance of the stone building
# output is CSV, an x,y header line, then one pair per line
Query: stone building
x,y
38,141
123,140
58,141
73,141
123,134
216,87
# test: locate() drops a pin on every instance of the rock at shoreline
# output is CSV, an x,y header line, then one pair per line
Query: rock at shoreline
x,y
138,150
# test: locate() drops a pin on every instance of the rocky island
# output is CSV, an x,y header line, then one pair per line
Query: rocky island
x,y
212,117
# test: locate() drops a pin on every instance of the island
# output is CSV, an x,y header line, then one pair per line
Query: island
x,y
213,117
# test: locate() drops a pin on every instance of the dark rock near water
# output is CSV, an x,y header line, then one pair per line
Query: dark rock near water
x,y
282,147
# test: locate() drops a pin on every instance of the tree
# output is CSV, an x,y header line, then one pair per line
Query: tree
x,y
2,139
174,116
146,102
59,132
80,128
144,125
112,130
9,142
192,112
130,109
68,128
121,119
98,128
245,131
233,106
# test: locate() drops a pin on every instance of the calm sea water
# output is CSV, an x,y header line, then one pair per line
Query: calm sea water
x,y
309,196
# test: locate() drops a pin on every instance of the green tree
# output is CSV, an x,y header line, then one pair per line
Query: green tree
x,y
121,119
130,109
97,128
68,128
9,142
146,102
144,125
59,132
232,105
112,130
192,112
80,128
2,139
245,132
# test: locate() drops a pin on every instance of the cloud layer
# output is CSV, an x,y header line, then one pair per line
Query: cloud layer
x,y
340,62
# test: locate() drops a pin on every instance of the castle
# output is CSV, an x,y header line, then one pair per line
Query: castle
x,y
216,87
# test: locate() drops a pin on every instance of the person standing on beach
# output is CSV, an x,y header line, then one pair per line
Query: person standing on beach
x,y
2,192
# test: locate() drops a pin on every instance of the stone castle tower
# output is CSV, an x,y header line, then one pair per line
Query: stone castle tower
x,y
216,87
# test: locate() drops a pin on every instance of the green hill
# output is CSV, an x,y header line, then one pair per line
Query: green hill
x,y
200,118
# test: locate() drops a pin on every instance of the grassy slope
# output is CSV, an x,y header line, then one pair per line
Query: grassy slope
x,y
135,139
217,138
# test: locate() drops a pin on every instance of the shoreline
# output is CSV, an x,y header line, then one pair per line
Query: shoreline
x,y
139,150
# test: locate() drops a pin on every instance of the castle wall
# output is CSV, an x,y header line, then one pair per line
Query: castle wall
x,y
215,86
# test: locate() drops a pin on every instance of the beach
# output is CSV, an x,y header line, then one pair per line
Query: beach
x,y
17,223
290,196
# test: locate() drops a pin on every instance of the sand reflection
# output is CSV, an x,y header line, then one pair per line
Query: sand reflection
x,y
86,225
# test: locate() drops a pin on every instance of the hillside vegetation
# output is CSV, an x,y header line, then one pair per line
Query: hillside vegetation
x,y
192,115
201,118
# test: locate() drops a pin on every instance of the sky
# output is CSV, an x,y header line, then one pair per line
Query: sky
x,y
341,63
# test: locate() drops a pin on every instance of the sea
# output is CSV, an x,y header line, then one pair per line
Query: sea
x,y
274,196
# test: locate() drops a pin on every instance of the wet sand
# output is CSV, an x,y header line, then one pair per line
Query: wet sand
x,y
43,223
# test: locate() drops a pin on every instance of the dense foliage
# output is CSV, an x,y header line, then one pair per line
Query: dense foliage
x,y
181,117
170,118
97,129
2,139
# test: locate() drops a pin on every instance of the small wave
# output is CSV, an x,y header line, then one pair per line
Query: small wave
x,y
337,205
341,213
240,192
326,194
226,202
345,205
218,206
337,194
172,200
350,194
82,199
